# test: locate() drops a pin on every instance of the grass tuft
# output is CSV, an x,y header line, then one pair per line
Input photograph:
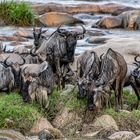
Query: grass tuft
x,y
16,13
17,115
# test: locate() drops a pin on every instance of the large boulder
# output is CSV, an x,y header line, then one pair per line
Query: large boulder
x,y
110,8
104,122
130,47
109,22
11,135
122,135
43,128
56,19
127,19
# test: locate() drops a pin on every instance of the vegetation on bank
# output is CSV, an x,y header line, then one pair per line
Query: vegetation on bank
x,y
15,114
16,13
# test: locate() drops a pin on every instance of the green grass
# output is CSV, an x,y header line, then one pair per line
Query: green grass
x,y
21,115
69,100
16,13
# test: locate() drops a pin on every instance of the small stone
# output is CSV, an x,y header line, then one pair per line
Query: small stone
x,y
122,135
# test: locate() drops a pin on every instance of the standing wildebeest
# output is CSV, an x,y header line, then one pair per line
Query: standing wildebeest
x,y
6,78
88,68
112,75
44,73
59,49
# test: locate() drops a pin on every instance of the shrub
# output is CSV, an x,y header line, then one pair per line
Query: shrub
x,y
16,13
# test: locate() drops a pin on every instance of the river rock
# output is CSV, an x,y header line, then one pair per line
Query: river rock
x,y
137,138
56,19
105,121
64,118
40,125
50,134
110,8
24,33
44,127
129,49
11,135
97,40
122,135
109,22
12,38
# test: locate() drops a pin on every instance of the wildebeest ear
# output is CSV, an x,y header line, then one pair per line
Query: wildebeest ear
x,y
79,37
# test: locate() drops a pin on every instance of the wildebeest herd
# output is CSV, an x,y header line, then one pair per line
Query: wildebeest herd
x,y
35,74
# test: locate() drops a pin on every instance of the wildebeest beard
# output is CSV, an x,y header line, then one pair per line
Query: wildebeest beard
x,y
24,91
17,77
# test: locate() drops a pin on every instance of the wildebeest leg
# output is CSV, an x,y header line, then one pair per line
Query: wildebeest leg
x,y
120,94
137,92
58,72
116,95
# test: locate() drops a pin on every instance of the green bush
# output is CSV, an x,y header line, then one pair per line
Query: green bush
x,y
21,115
16,13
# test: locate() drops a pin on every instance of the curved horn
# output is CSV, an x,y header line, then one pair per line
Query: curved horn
x,y
31,52
101,56
135,58
58,27
24,61
84,30
5,61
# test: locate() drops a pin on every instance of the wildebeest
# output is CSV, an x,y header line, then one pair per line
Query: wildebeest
x,y
15,68
6,78
59,49
112,74
44,73
88,68
38,93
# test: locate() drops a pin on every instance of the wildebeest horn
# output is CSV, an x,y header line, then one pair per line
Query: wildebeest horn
x,y
101,56
5,61
135,58
24,61
84,30
31,52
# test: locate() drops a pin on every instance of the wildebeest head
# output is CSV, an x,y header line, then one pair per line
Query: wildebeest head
x,y
71,38
37,34
16,70
82,87
97,97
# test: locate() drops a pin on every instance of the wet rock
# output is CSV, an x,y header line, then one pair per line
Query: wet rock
x,y
128,19
103,122
68,89
56,19
129,49
122,135
32,138
40,125
22,32
11,135
43,128
50,134
137,138
110,8
97,40
95,32
131,19
109,22
12,38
